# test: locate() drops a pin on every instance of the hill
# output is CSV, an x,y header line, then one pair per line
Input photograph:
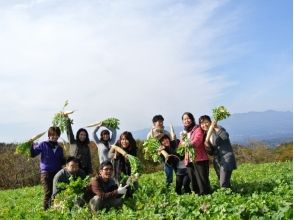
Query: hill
x,y
270,127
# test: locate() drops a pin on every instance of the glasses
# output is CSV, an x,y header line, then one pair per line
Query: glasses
x,y
107,169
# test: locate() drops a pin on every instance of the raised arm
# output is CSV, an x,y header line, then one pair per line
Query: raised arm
x,y
69,132
95,137
113,135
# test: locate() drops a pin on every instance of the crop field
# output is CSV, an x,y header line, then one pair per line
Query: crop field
x,y
260,191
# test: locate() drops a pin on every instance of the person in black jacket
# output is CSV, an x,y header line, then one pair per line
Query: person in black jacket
x,y
121,163
79,147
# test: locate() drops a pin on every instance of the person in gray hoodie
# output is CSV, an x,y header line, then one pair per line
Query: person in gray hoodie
x,y
219,146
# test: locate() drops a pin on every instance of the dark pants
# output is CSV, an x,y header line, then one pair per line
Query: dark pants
x,y
192,177
224,176
182,180
47,182
97,204
202,177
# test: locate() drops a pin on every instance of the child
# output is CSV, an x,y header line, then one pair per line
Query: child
x,y
52,159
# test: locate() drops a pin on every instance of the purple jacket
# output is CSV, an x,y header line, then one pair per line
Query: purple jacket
x,y
50,161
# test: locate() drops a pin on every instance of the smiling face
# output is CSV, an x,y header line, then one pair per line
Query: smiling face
x,y
124,142
106,172
165,142
53,137
205,124
186,120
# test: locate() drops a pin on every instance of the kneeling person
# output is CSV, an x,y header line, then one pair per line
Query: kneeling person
x,y
71,169
103,192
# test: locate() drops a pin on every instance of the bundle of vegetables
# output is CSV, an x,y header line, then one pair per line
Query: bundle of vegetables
x,y
186,146
136,165
219,113
61,120
25,147
109,123
70,193
150,148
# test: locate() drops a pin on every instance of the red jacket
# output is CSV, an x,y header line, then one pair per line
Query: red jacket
x,y
197,140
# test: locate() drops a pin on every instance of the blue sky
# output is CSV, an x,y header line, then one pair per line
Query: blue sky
x,y
134,59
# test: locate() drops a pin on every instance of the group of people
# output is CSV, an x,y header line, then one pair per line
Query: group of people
x,y
104,190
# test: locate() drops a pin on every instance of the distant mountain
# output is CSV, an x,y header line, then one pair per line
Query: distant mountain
x,y
270,127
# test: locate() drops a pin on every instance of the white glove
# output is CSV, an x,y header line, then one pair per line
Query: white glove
x,y
122,190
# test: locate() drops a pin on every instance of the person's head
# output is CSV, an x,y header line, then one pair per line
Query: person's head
x,y
126,140
54,133
158,121
72,165
188,121
204,122
82,136
164,140
105,135
105,170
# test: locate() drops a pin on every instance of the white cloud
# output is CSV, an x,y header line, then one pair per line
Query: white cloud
x,y
129,59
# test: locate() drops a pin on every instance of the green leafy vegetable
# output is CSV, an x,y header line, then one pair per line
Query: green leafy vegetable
x,y
70,193
61,120
111,123
186,147
220,113
24,148
150,148
136,165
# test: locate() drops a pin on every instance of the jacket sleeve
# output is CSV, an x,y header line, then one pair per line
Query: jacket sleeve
x,y
197,137
36,149
95,137
69,133
113,135
96,188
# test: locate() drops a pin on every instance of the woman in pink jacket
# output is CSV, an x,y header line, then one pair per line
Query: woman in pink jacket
x,y
198,167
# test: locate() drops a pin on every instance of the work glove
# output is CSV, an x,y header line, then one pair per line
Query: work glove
x,y
122,190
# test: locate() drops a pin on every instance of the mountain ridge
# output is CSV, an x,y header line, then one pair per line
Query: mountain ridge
x,y
270,126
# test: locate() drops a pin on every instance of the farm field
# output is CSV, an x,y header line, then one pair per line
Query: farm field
x,y
260,191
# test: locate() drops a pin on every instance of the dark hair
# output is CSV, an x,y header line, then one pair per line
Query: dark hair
x,y
104,164
157,118
74,159
193,124
128,135
204,117
163,137
87,141
54,130
104,132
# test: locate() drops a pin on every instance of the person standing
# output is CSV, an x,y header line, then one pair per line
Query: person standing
x,y
52,160
79,147
156,132
103,144
198,168
219,145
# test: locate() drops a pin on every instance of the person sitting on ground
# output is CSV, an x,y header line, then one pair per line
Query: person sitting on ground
x,y
71,169
103,192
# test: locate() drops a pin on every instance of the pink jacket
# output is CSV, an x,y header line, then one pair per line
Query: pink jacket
x,y
197,140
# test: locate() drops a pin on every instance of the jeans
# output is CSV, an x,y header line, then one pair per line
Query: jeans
x,y
168,173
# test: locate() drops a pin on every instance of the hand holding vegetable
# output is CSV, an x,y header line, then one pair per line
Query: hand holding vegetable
x,y
219,113
61,119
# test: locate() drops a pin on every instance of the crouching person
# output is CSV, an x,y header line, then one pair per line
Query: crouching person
x,y
103,192
71,169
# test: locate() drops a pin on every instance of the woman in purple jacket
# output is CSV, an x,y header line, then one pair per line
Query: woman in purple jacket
x,y
51,162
